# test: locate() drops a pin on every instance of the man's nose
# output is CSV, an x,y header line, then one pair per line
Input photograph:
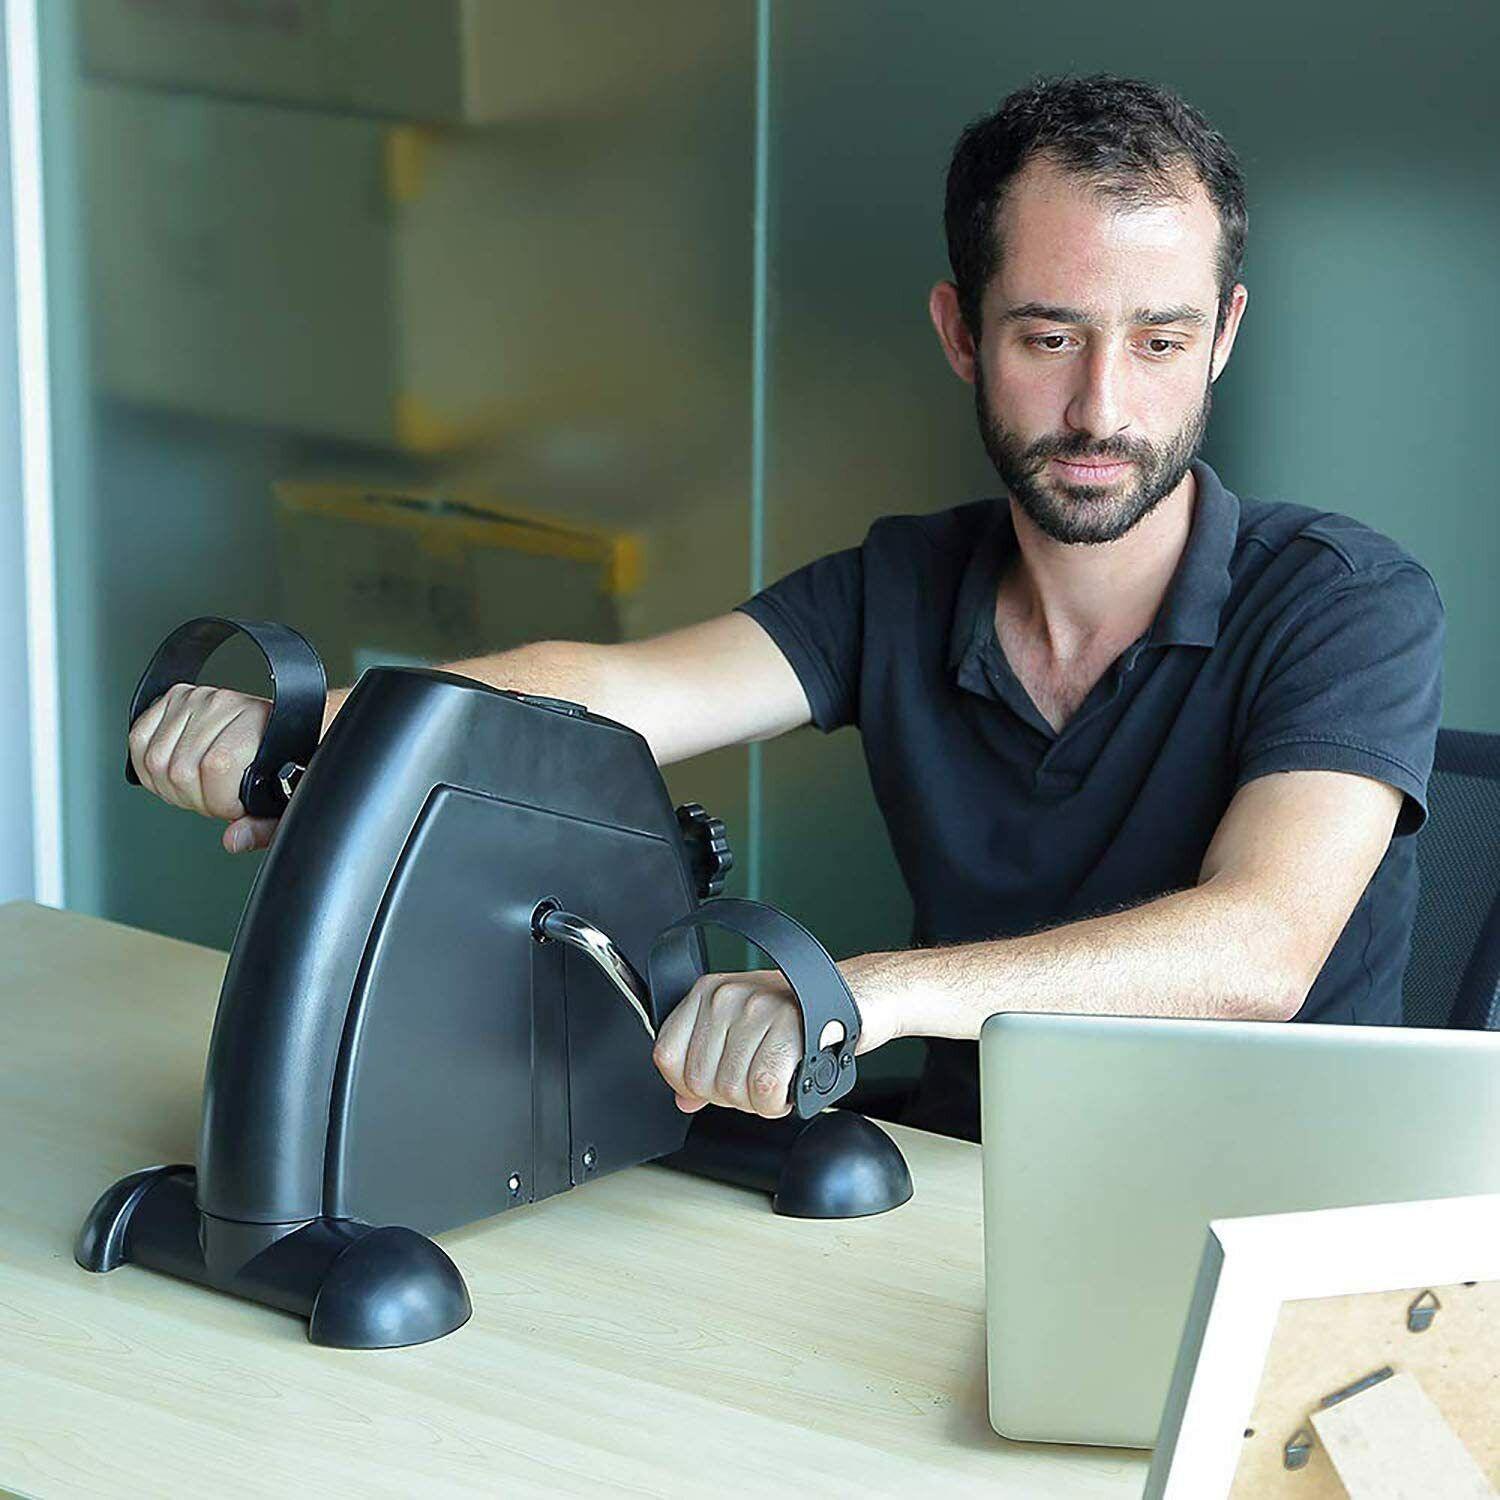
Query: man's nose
x,y
1098,409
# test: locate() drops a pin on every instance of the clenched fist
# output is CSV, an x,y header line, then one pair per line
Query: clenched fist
x,y
736,1040
191,747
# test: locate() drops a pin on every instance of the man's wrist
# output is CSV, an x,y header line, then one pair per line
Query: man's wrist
x,y
331,705
921,991
876,980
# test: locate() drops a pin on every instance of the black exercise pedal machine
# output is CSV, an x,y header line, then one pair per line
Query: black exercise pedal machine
x,y
442,996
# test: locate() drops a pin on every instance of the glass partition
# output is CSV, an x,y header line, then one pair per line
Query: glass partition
x,y
422,327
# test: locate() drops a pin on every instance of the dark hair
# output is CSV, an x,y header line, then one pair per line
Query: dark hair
x,y
1127,138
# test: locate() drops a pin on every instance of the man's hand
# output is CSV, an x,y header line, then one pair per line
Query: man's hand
x,y
736,1040
191,747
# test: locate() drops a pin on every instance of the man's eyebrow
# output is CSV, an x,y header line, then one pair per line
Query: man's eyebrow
x,y
1150,317
1182,313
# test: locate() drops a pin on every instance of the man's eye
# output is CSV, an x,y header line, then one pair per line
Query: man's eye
x,y
1049,342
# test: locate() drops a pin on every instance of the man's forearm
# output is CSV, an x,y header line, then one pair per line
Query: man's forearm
x,y
688,691
1200,952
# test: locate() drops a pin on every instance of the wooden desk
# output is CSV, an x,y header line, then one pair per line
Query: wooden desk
x,y
650,1334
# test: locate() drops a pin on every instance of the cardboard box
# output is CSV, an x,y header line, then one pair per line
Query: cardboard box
x,y
443,61
403,288
378,575
373,575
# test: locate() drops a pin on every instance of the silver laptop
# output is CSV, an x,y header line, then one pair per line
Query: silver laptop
x,y
1110,1142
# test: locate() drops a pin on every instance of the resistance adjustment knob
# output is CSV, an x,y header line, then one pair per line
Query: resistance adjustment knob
x,y
708,848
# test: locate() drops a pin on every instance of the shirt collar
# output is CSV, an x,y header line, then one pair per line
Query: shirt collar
x,y
1189,614
1191,611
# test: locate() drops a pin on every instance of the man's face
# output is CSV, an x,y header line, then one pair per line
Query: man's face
x,y
1077,362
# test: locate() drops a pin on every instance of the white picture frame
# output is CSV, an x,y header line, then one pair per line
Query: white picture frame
x,y
1250,1267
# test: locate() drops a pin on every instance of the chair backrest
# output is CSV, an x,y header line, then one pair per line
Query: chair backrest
x,y
1453,976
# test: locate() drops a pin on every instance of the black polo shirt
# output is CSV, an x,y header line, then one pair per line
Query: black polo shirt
x,y
1288,639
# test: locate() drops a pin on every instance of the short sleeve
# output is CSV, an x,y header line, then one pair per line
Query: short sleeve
x,y
1356,685
816,617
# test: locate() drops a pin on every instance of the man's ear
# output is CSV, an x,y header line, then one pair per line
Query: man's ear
x,y
1225,342
953,333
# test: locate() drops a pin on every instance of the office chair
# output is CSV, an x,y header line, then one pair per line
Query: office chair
x,y
1453,975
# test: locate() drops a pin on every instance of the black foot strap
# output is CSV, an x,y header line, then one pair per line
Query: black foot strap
x,y
825,1074
299,692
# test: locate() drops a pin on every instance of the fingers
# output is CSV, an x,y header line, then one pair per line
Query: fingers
x,y
158,758
249,833
733,1082
701,1072
670,1051
773,1068
221,754
203,726
192,745
735,1040
153,735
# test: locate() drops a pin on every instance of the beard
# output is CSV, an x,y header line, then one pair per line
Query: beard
x,y
1087,513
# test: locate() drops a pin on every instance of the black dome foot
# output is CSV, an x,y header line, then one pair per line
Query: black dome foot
x,y
358,1287
837,1165
390,1288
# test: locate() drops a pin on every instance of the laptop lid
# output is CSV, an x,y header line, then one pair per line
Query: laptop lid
x,y
1110,1142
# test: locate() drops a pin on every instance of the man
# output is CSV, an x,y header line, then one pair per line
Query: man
x,y
1142,748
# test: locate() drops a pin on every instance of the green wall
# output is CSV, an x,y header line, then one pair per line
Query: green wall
x,y
1361,367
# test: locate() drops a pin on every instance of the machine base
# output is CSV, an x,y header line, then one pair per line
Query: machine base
x,y
837,1165
359,1287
